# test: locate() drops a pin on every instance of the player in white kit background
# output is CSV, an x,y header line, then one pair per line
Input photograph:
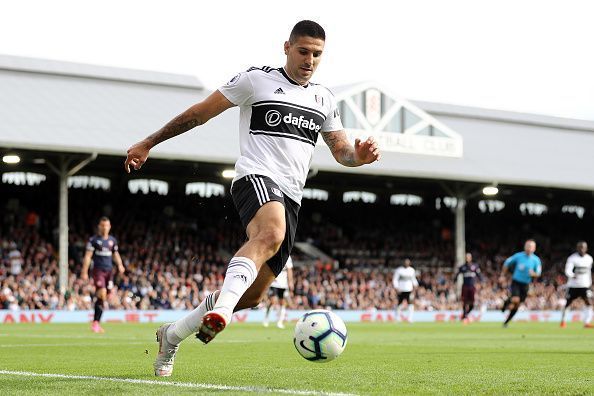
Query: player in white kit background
x,y
578,270
405,281
281,116
280,290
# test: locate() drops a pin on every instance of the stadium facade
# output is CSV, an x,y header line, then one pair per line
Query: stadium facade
x,y
63,118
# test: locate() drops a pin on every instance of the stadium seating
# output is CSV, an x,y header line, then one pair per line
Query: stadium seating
x,y
175,254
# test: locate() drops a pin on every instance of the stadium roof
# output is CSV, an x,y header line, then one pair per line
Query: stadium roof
x,y
66,107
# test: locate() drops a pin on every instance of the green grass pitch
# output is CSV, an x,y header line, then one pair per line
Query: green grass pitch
x,y
420,358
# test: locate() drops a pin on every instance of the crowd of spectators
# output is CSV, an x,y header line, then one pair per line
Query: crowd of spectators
x,y
173,261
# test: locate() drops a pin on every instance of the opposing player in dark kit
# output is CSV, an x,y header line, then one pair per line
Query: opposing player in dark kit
x,y
102,249
471,274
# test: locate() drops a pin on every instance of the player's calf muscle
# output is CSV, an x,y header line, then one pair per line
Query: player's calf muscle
x,y
257,291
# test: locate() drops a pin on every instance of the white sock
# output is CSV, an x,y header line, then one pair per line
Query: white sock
x,y
587,314
189,324
281,315
241,273
411,311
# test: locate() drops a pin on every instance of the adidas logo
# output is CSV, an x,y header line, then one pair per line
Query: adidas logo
x,y
242,277
279,91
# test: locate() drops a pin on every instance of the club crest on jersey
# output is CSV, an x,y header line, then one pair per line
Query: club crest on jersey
x,y
319,99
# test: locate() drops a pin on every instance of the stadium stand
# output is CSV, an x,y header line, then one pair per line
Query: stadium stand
x,y
176,251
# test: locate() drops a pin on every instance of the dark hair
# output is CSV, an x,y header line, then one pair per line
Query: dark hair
x,y
307,28
103,218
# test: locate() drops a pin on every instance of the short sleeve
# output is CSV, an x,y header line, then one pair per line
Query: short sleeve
x,y
569,267
238,90
511,260
332,122
289,263
538,266
115,245
90,246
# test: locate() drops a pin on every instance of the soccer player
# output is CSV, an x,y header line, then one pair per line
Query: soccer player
x,y
282,284
405,281
578,270
471,273
103,250
524,267
281,116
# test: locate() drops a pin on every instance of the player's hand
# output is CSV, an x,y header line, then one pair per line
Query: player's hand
x,y
121,269
533,274
137,155
367,151
84,276
502,279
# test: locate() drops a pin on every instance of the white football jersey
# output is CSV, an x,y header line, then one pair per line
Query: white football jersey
x,y
279,123
579,270
405,279
282,280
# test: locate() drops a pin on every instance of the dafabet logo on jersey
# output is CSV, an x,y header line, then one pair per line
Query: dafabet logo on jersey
x,y
274,117
285,120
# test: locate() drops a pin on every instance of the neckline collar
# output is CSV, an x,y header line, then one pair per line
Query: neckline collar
x,y
286,75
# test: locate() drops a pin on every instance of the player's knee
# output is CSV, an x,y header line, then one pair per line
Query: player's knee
x,y
102,294
272,238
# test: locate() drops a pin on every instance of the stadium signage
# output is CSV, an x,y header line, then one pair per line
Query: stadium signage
x,y
411,144
249,316
27,317
397,124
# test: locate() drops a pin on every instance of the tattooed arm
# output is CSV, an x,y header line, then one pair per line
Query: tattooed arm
x,y
345,154
196,115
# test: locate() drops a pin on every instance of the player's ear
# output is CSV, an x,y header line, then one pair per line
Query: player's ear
x,y
287,45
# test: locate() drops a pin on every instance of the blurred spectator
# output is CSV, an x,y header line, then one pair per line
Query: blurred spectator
x,y
176,255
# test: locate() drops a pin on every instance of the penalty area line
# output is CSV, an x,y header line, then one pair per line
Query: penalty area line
x,y
191,385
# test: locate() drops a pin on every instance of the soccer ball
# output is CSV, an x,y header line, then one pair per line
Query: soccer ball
x,y
320,336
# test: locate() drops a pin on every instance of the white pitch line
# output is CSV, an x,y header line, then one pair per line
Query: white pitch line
x,y
86,337
105,337
86,344
124,340
173,384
